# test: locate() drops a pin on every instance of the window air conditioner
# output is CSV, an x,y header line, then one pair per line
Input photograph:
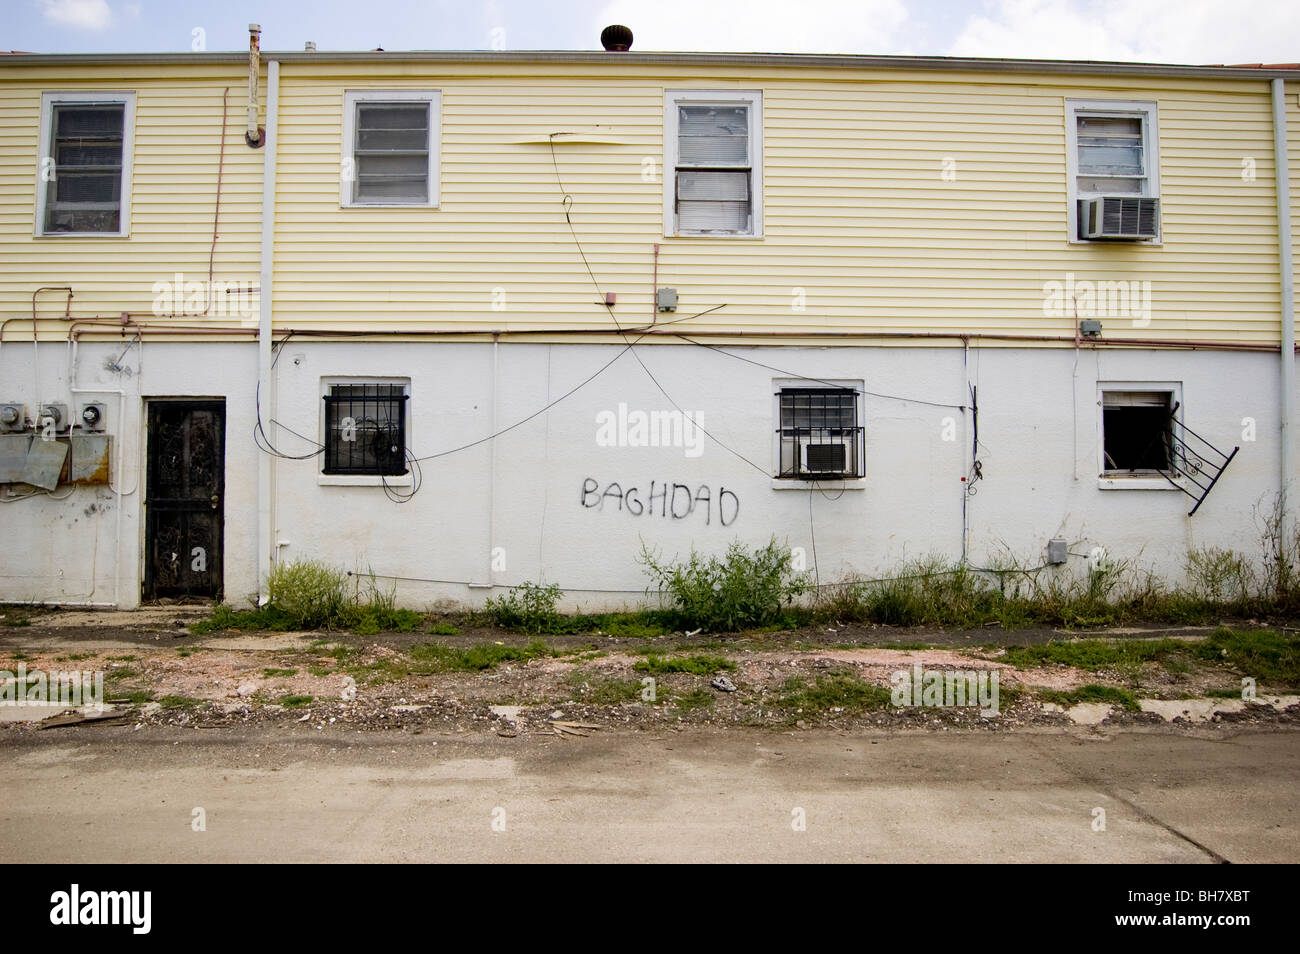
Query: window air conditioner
x,y
825,458
1119,217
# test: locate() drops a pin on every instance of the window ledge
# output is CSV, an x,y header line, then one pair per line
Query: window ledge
x,y
81,235
729,236
1136,483
832,485
363,480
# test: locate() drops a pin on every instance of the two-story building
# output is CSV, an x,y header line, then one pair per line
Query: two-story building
x,y
470,319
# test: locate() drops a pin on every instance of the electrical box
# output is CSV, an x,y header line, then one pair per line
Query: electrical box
x,y
44,466
13,417
1090,328
93,416
56,412
13,456
1058,551
666,299
89,458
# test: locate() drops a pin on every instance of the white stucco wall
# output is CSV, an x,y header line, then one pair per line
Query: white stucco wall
x,y
1039,429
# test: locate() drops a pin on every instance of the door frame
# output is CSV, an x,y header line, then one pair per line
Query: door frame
x,y
214,400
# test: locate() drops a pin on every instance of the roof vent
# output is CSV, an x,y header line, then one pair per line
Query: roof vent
x,y
616,39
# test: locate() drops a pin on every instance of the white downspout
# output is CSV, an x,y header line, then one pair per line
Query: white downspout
x,y
265,463
1286,271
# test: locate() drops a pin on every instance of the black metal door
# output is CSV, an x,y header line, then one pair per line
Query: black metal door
x,y
184,495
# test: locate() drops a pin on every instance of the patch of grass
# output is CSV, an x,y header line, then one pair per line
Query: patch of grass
x,y
127,658
529,607
261,619
20,657
444,629
179,702
134,696
1223,693
1092,693
1265,654
843,690
319,670
185,652
77,657
604,691
1095,654
480,657
273,673
742,589
697,698
117,675
698,665
294,702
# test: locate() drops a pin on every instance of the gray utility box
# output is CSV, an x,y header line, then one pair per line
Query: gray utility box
x,y
1058,551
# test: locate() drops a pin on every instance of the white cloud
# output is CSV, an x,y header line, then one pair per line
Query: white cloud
x,y
758,26
82,14
1159,31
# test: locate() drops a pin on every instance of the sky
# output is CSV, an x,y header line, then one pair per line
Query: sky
x,y
1160,31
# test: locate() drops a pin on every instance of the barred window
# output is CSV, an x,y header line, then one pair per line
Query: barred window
x,y
365,429
819,433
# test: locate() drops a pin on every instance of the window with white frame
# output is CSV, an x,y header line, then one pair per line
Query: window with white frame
x,y
365,428
713,155
390,148
819,432
1112,153
1138,425
84,173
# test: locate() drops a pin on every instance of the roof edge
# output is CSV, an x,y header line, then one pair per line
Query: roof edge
x,y
817,60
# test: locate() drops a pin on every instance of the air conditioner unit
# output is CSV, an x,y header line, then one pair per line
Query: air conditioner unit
x,y
1119,217
831,457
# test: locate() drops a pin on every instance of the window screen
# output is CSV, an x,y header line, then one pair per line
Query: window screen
x,y
392,152
85,194
365,429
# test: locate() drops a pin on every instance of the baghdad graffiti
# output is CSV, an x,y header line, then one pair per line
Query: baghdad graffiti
x,y
665,500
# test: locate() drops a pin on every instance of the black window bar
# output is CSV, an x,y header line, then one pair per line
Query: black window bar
x,y
819,433
1201,464
365,429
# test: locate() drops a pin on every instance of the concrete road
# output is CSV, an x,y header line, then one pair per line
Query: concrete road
x,y
110,794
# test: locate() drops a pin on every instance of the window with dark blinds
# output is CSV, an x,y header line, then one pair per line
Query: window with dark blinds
x,y
365,429
392,153
85,193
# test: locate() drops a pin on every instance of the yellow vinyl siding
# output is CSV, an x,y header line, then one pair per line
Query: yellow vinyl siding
x,y
856,211
173,191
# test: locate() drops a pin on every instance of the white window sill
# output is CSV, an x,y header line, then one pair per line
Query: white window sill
x,y
712,235
830,484
1136,483
388,205
81,235
363,480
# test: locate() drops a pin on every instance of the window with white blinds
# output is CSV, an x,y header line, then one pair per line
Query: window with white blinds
x,y
85,163
1111,151
713,150
390,148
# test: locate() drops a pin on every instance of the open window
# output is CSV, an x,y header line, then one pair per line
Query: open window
x,y
84,173
819,433
1114,171
1137,432
365,429
713,177
390,148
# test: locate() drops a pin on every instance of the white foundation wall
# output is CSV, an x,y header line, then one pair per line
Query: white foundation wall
x,y
521,507
527,499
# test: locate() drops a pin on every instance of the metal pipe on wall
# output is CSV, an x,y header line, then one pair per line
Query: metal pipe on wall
x,y
265,463
1286,273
